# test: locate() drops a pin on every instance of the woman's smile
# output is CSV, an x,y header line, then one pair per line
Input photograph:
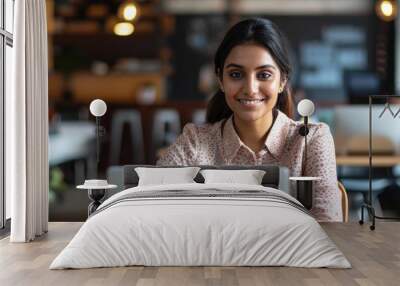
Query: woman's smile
x,y
252,102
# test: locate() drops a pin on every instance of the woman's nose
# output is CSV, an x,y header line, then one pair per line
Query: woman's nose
x,y
250,86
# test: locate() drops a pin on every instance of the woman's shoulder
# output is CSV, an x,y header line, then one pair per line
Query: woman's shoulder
x,y
315,128
319,129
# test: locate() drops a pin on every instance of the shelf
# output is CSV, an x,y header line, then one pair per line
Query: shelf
x,y
108,47
116,88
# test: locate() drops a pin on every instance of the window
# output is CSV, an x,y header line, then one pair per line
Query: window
x,y
6,44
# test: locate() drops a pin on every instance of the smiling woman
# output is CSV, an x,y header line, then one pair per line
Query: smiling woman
x,y
249,118
251,81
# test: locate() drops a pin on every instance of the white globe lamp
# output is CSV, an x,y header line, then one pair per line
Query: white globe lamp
x,y
305,107
98,107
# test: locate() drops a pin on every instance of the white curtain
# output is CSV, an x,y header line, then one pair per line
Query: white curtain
x,y
27,124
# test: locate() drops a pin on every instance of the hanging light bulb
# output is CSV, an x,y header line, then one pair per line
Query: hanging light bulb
x,y
386,10
123,29
128,11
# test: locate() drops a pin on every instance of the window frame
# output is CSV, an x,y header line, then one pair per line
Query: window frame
x,y
6,39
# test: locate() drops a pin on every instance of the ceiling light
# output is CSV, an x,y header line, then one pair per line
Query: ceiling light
x,y
124,29
130,12
127,11
386,10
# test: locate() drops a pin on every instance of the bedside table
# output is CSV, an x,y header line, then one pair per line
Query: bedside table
x,y
96,192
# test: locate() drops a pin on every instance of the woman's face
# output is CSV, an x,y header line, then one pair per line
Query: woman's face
x,y
251,82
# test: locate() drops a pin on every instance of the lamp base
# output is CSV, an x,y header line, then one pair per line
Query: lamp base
x,y
95,195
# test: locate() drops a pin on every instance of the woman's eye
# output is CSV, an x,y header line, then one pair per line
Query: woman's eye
x,y
264,75
235,74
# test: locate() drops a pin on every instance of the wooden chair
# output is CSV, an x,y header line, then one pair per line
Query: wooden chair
x,y
345,202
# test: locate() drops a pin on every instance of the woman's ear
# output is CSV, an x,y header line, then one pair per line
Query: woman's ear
x,y
282,85
220,84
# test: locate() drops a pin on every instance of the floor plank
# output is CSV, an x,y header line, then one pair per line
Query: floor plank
x,y
375,257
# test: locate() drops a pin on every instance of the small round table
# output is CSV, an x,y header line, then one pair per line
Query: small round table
x,y
96,194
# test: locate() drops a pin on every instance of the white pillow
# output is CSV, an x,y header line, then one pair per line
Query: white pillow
x,y
249,177
163,176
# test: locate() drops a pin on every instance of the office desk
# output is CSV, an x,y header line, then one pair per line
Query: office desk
x,y
363,161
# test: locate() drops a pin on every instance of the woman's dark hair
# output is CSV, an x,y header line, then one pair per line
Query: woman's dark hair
x,y
259,31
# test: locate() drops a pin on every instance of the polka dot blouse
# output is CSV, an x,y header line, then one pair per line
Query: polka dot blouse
x,y
219,144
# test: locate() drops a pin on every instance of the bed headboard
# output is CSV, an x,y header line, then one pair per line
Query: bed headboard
x,y
275,176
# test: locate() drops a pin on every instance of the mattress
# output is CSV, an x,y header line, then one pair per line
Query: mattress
x,y
201,225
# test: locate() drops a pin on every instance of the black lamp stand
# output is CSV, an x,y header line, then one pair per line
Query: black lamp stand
x,y
100,132
97,145
304,187
304,132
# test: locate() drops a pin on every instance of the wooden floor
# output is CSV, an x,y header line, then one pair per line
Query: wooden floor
x,y
375,257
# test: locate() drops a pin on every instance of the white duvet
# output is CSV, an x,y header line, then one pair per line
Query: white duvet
x,y
183,231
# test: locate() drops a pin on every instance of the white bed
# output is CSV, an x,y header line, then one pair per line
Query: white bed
x,y
222,225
